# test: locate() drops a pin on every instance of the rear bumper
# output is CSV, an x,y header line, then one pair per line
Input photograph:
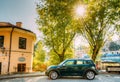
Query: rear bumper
x,y
96,72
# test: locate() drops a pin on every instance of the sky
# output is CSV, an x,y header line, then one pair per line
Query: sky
x,y
24,11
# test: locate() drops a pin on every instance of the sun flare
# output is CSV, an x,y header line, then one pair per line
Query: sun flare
x,y
80,10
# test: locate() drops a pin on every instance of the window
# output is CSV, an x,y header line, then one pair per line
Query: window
x,y
1,41
88,62
22,43
79,62
69,62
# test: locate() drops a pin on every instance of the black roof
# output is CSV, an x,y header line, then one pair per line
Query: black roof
x,y
80,59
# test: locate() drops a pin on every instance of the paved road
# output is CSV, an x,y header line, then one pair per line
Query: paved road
x,y
99,78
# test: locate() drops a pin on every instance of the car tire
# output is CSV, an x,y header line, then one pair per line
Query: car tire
x,y
90,75
53,75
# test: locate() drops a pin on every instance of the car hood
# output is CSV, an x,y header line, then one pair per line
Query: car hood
x,y
53,66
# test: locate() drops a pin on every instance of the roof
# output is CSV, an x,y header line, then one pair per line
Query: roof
x,y
9,25
80,59
5,24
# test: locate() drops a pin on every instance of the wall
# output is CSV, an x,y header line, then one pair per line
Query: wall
x,y
16,53
4,57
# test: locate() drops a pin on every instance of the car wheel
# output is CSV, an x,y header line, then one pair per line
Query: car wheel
x,y
53,75
90,75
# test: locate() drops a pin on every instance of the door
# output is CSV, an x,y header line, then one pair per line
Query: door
x,y
79,67
0,67
21,67
67,68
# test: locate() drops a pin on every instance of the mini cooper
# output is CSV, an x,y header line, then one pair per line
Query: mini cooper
x,y
73,67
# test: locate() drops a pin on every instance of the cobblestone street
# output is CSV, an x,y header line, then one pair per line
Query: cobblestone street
x,y
99,78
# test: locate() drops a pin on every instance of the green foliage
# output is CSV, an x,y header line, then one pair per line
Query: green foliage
x,y
99,23
54,58
39,66
113,46
39,57
118,29
56,24
69,53
39,52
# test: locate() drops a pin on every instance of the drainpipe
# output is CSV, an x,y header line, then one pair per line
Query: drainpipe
x,y
10,49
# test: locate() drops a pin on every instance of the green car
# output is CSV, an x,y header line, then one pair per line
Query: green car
x,y
73,67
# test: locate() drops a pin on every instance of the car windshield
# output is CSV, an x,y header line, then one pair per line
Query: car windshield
x,y
62,62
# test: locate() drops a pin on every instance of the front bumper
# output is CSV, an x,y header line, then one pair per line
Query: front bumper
x,y
46,73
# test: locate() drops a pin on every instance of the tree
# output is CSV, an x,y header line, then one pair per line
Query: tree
x,y
54,58
99,23
118,28
39,52
56,23
113,46
39,57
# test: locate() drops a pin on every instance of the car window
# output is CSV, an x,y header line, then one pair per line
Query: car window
x,y
70,62
88,62
79,62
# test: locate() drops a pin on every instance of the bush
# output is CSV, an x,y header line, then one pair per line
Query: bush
x,y
39,66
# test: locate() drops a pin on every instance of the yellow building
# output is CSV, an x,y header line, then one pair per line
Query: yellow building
x,y
16,48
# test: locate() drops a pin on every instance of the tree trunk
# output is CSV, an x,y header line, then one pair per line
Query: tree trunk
x,y
95,53
94,57
61,57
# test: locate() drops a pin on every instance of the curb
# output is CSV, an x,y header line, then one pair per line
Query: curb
x,y
19,76
102,72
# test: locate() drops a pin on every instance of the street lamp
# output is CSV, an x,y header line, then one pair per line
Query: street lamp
x,y
2,50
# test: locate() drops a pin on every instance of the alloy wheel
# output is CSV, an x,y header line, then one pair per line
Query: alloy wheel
x,y
53,75
90,75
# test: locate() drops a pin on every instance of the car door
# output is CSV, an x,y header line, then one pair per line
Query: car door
x,y
67,68
79,68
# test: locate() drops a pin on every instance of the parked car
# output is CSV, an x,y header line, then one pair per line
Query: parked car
x,y
73,67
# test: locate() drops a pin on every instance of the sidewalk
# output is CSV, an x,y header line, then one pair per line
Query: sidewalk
x,y
11,76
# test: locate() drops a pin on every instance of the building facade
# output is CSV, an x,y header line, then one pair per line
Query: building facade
x,y
16,48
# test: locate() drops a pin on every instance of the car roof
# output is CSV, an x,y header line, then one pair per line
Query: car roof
x,y
80,59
